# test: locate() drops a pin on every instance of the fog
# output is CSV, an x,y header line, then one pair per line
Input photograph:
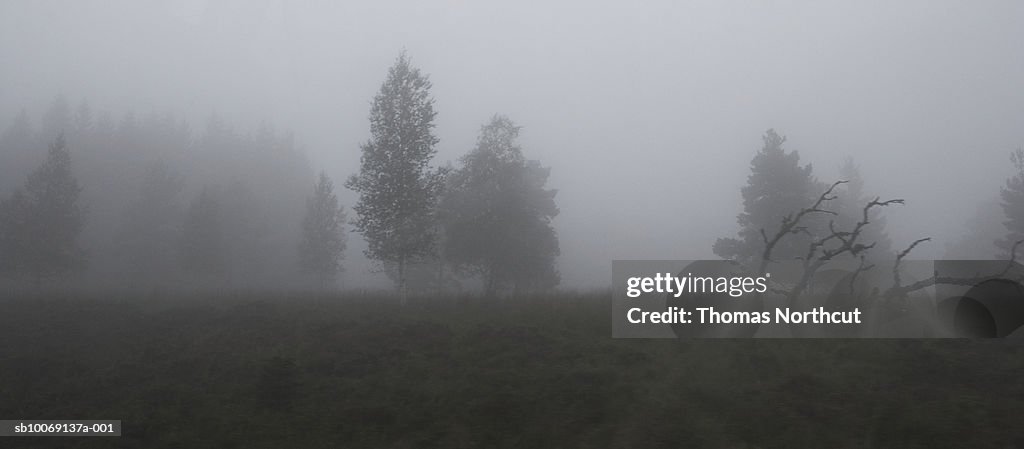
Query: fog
x,y
648,114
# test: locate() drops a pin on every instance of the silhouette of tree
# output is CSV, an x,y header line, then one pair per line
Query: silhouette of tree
x,y
498,214
397,191
83,118
18,151
1012,195
203,247
850,199
148,232
41,222
323,240
777,185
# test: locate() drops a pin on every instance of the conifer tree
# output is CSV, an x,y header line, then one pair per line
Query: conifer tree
x,y
148,231
849,207
778,185
1012,195
323,240
41,222
203,245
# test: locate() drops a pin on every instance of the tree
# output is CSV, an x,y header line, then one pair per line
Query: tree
x,y
1013,204
57,119
41,222
203,248
323,240
247,247
981,232
18,134
83,118
18,151
850,198
147,235
837,242
397,190
777,185
497,214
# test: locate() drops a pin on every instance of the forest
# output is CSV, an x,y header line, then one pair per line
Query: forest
x,y
158,207
146,204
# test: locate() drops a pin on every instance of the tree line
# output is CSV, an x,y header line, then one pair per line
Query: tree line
x,y
789,215
779,186
146,202
160,206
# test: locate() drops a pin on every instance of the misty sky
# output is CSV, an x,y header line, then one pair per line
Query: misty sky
x,y
647,112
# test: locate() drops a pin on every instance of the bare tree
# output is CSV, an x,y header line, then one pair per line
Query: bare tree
x,y
839,242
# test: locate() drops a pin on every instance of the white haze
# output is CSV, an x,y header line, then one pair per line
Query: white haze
x,y
647,112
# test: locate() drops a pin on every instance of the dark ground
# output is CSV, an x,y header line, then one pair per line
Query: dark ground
x,y
266,371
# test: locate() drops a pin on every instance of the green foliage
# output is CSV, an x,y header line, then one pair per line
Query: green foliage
x,y
397,190
323,240
497,214
41,222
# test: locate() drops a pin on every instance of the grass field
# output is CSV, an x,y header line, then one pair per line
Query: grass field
x,y
303,371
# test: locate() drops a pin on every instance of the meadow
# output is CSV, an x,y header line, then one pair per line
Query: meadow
x,y
266,370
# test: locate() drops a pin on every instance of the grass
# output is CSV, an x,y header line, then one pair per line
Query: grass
x,y
322,371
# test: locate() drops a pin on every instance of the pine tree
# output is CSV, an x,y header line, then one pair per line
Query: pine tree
x,y
849,207
18,151
83,118
57,119
777,186
203,248
323,240
981,232
41,222
1013,204
498,214
147,235
17,137
397,190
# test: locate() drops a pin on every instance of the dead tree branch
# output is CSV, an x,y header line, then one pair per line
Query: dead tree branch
x,y
791,223
819,253
822,250
827,248
899,291
862,267
899,259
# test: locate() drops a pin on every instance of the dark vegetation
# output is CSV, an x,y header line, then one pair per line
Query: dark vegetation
x,y
348,371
